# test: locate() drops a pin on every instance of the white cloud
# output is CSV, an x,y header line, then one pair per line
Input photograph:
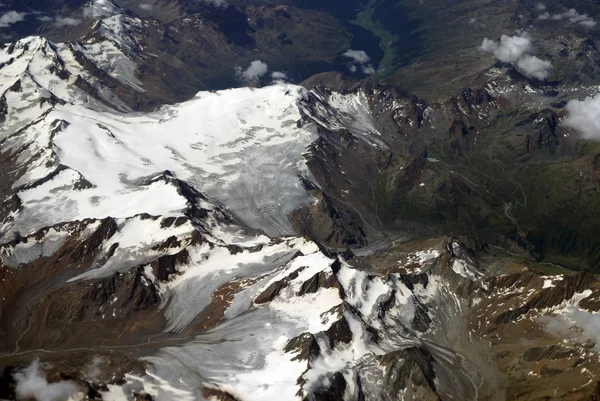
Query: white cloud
x,y
534,67
216,3
472,20
575,18
358,56
66,21
581,19
359,60
11,17
517,50
93,369
368,69
540,6
44,18
584,116
590,23
587,325
146,6
32,383
279,76
544,16
256,70
510,48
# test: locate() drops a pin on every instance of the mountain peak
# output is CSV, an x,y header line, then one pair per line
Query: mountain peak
x,y
98,9
180,221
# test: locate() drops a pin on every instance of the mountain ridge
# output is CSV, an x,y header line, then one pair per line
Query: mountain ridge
x,y
338,239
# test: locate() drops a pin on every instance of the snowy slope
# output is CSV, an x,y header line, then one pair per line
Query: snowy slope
x,y
241,147
293,346
164,244
222,165
195,199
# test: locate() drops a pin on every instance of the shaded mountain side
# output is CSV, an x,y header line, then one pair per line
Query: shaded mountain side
x,y
481,164
192,46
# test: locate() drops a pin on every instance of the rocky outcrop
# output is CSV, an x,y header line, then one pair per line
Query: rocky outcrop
x,y
332,392
548,297
217,395
408,368
120,295
330,223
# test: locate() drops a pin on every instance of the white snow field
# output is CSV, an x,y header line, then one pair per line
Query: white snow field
x,y
240,147
79,158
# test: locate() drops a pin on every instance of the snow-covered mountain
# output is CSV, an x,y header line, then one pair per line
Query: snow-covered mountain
x,y
193,200
243,244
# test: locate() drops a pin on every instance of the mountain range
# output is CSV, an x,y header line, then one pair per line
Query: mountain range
x,y
281,200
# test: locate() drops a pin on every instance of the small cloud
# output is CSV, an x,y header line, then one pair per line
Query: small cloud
x,y
11,17
93,369
358,56
145,6
472,20
32,383
510,48
587,23
584,116
279,76
216,3
368,69
44,18
359,61
66,21
544,16
534,67
517,50
582,19
540,6
575,18
576,324
256,70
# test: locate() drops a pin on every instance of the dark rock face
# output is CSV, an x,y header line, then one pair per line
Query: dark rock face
x,y
541,353
7,383
553,296
333,392
123,294
88,247
165,266
217,394
138,294
339,332
334,226
319,280
596,394
305,345
410,365
275,288
549,141
459,137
